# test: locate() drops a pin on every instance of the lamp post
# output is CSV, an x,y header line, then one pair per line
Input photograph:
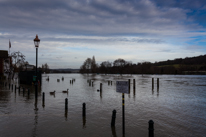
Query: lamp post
x,y
36,43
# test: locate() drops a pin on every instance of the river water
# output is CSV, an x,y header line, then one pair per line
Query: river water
x,y
178,108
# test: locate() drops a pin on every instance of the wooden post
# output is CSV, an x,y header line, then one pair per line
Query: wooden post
x,y
66,104
43,99
134,84
100,87
84,109
113,118
157,83
111,82
123,118
129,85
151,128
23,91
28,92
152,83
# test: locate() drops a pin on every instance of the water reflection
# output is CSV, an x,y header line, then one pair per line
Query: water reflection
x,y
84,121
113,131
66,114
34,131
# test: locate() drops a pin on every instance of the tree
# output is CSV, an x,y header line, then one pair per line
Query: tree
x,y
45,68
93,65
86,67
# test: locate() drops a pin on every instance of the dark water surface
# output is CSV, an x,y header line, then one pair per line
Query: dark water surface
x,y
178,109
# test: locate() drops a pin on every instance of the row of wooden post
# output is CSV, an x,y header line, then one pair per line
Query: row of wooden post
x,y
15,88
151,123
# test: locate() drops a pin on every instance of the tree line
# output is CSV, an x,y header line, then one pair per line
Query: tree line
x,y
121,66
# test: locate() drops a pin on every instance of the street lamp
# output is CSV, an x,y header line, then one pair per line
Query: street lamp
x,y
36,43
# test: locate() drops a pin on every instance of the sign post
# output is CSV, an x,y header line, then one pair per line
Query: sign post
x,y
122,87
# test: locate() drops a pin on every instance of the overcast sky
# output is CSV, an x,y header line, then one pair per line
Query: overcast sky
x,y
73,30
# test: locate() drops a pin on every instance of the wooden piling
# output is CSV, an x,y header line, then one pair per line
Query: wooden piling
x,y
43,99
66,103
151,128
28,92
84,109
113,118
100,87
129,85
152,83
134,84
157,83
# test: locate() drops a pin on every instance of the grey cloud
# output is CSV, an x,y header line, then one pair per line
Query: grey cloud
x,y
94,17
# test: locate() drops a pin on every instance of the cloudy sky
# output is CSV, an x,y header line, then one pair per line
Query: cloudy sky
x,y
73,30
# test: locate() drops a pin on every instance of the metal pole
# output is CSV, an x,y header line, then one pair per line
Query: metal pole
x,y
123,119
36,94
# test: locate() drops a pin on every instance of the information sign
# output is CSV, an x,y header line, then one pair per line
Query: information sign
x,y
122,86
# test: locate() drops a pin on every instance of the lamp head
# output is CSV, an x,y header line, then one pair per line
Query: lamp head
x,y
36,41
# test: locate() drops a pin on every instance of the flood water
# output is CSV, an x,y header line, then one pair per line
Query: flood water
x,y
178,109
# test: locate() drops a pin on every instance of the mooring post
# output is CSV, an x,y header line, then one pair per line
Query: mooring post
x,y
84,109
43,99
66,103
23,91
100,87
157,83
151,128
28,92
152,83
113,118
15,88
92,83
108,82
134,84
129,85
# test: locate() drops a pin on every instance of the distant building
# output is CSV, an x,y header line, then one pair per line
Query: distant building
x,y
28,67
4,61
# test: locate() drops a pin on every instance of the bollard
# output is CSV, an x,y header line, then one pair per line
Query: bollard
x,y
66,103
108,82
15,88
152,83
28,92
43,99
151,128
134,84
23,91
157,83
100,87
84,109
113,118
129,85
